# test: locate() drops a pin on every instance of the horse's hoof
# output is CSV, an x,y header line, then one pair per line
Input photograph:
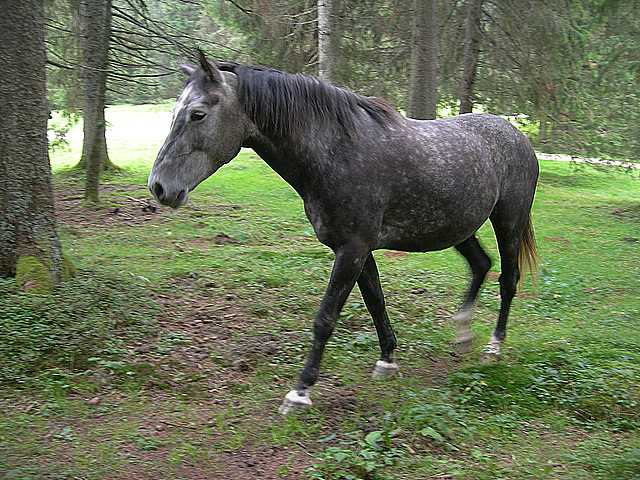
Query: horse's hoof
x,y
463,344
491,353
294,401
384,370
463,317
489,357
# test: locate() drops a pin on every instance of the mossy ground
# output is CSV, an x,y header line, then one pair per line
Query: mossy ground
x,y
224,291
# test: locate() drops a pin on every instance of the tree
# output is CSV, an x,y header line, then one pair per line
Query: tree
x,y
95,32
278,33
423,87
326,57
124,51
471,53
29,245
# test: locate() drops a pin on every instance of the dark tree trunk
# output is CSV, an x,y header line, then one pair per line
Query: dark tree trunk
x,y
325,42
29,245
95,24
423,93
471,53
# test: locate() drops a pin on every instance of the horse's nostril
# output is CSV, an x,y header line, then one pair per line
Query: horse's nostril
x,y
157,190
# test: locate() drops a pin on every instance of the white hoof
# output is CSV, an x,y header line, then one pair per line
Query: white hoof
x,y
488,357
491,353
464,342
294,401
384,369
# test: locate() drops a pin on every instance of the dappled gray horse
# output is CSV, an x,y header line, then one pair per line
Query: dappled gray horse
x,y
369,179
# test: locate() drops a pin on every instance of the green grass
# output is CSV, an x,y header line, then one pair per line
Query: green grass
x,y
190,341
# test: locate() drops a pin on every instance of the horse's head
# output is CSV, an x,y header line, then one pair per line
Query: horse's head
x,y
207,131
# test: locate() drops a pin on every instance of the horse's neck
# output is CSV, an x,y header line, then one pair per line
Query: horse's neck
x,y
298,161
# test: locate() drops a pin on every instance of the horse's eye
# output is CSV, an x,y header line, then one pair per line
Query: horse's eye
x,y
197,115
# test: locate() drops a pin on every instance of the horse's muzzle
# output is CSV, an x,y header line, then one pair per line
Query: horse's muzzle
x,y
172,199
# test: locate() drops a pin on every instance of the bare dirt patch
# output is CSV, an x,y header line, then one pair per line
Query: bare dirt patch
x,y
269,463
395,254
204,243
207,340
627,212
435,369
119,205
130,205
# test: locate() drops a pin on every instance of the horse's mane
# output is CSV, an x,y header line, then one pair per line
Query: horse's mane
x,y
282,104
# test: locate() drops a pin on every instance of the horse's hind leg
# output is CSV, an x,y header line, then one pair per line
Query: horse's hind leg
x,y
479,263
369,284
509,235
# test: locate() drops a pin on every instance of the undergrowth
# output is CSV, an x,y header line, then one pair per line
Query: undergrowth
x,y
88,316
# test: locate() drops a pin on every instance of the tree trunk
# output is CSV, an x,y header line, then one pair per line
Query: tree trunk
x,y
542,129
337,30
325,57
471,53
29,245
95,24
423,94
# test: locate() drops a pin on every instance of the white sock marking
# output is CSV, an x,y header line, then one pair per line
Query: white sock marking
x,y
294,400
384,369
493,347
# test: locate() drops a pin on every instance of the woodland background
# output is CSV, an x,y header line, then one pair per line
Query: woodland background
x,y
138,341
568,70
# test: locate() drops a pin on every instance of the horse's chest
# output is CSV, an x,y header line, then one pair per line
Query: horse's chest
x,y
319,220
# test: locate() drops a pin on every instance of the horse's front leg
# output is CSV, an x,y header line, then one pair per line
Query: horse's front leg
x,y
346,270
369,283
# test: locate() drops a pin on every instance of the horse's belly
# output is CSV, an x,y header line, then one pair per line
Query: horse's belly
x,y
422,228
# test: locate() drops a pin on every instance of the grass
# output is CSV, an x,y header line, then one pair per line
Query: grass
x,y
185,329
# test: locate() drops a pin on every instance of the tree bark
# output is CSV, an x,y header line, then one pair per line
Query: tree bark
x,y
471,53
95,24
325,43
28,235
423,93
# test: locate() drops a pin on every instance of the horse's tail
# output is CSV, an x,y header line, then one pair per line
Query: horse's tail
x,y
528,255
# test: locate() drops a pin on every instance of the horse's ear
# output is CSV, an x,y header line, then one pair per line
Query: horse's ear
x,y
187,69
209,68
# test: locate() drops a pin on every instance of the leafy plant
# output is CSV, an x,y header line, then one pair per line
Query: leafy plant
x,y
59,126
360,459
593,382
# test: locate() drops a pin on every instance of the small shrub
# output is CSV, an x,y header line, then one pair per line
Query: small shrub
x,y
361,459
435,417
89,316
605,458
594,382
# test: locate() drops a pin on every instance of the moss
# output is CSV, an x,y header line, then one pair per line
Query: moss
x,y
33,275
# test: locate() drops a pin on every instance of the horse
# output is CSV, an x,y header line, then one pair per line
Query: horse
x,y
369,179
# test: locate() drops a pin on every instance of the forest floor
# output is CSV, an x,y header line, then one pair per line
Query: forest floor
x,y
184,329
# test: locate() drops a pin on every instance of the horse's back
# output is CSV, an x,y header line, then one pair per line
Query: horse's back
x,y
493,142
454,171
506,144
